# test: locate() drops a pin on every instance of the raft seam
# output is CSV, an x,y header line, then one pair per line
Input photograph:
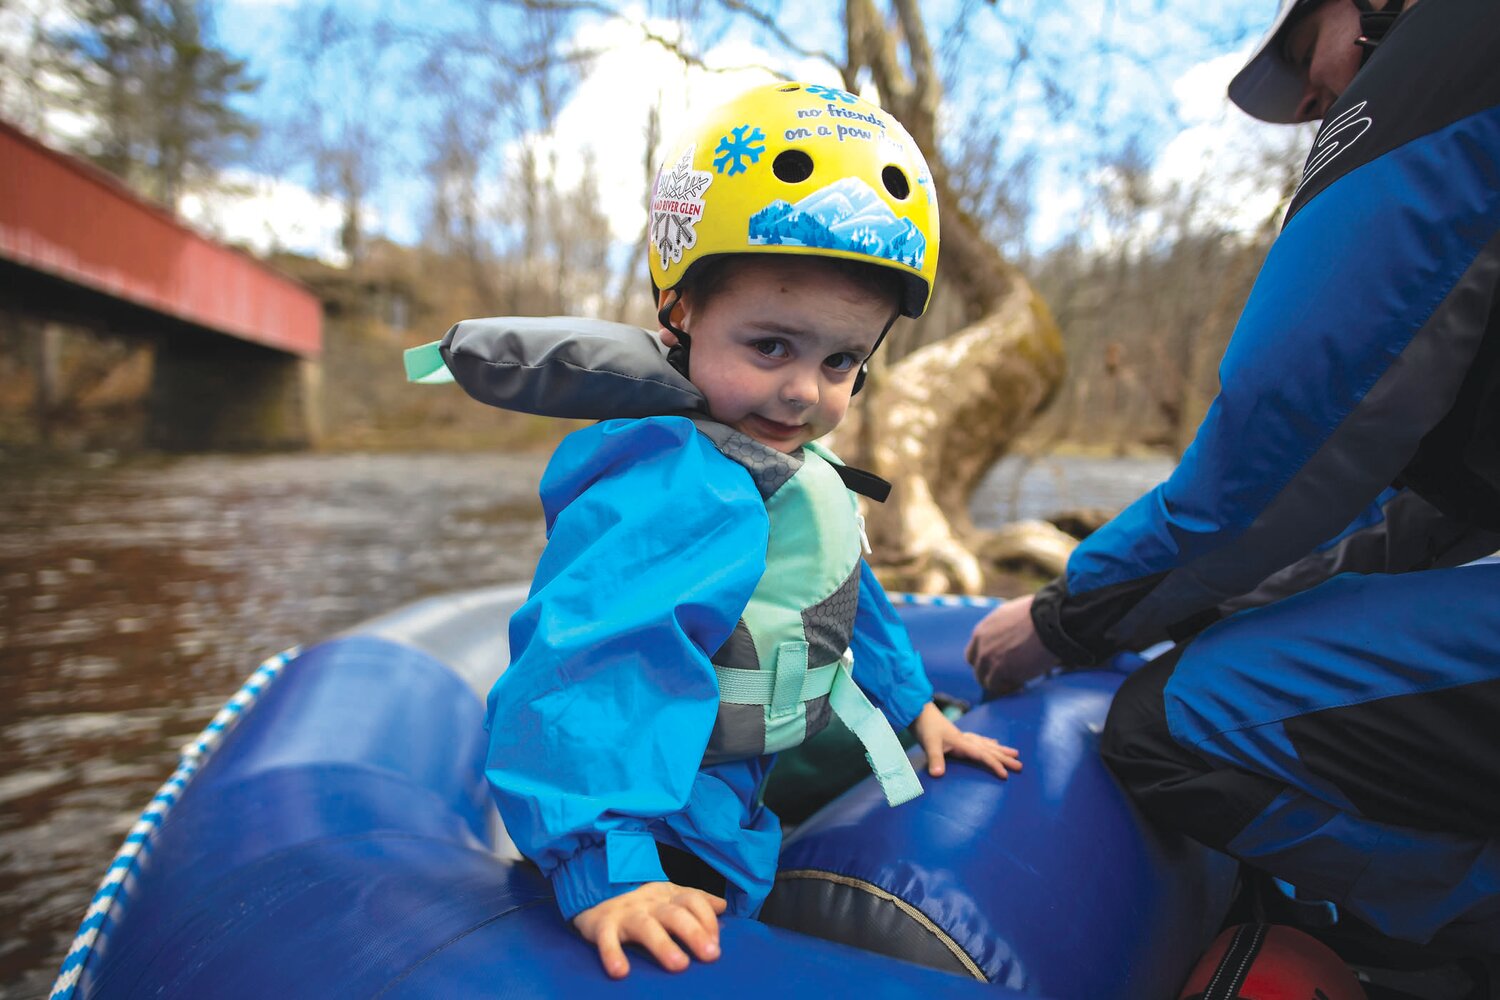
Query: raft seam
x,y
911,911
444,946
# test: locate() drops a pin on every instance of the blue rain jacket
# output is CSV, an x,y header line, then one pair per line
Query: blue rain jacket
x,y
655,542
1365,356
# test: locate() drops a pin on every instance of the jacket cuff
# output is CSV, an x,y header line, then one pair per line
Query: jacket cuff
x,y
908,700
625,860
1046,617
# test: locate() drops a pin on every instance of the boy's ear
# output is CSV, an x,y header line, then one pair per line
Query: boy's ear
x,y
678,315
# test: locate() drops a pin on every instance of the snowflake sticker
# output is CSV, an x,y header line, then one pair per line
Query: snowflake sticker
x,y
832,94
734,149
677,207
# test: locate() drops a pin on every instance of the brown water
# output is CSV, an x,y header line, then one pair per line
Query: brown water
x,y
136,596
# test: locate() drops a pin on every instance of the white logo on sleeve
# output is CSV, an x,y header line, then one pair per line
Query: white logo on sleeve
x,y
1334,138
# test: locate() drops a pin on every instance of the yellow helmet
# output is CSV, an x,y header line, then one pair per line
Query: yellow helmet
x,y
797,168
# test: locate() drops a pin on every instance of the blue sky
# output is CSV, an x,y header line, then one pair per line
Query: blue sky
x,y
1161,93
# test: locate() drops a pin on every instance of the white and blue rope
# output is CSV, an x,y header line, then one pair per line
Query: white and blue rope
x,y
945,600
138,842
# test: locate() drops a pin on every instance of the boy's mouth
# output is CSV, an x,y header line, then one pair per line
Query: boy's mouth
x,y
774,429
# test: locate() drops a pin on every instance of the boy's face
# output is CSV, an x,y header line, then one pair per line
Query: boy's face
x,y
776,347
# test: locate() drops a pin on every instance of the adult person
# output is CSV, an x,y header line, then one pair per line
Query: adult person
x,y
1331,713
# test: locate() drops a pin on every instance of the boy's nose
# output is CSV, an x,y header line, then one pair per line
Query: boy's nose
x,y
800,391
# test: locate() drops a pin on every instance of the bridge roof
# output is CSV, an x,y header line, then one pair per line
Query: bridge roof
x,y
66,218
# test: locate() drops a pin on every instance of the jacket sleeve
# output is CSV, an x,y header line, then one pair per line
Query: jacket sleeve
x,y
1358,334
1404,533
886,665
599,724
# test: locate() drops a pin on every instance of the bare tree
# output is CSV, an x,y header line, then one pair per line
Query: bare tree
x,y
150,93
1148,311
936,422
339,126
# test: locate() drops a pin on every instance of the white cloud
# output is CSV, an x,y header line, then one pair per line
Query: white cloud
x,y
31,95
1235,162
1200,92
266,215
608,111
17,18
1222,165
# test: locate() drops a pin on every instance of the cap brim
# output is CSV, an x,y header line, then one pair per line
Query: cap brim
x,y
1268,87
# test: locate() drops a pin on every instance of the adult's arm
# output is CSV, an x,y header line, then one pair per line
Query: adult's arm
x,y
1409,534
598,726
1367,316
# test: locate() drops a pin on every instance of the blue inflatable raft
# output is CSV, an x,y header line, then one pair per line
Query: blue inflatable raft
x,y
331,834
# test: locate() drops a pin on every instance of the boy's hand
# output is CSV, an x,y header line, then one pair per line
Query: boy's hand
x,y
649,916
938,736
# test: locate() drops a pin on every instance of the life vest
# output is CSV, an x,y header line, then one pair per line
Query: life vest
x,y
787,667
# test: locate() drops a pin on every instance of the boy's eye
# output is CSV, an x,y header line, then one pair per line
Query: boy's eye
x,y
841,362
771,348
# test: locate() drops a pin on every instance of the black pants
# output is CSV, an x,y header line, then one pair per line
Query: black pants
x,y
1307,748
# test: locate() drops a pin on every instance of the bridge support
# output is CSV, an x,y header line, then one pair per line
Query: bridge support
x,y
230,396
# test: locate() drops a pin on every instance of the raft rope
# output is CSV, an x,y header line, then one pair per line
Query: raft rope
x,y
138,843
945,600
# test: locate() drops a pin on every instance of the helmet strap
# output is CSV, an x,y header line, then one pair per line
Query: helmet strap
x,y
677,354
1373,24
864,366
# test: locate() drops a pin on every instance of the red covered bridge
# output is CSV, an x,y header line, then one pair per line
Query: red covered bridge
x,y
236,340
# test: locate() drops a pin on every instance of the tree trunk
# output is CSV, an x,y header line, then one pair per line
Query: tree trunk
x,y
935,422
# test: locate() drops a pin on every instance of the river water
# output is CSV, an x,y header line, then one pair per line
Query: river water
x,y
135,596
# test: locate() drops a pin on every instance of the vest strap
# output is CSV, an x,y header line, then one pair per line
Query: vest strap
x,y
758,687
787,690
887,759
425,364
883,750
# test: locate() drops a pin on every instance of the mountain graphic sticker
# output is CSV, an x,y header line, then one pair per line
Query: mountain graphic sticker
x,y
848,215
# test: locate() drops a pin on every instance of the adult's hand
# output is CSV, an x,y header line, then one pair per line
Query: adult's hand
x,y
1005,650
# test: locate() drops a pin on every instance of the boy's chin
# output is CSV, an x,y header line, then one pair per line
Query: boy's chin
x,y
785,447
768,436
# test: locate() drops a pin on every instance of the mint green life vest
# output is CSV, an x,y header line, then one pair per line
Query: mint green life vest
x,y
787,667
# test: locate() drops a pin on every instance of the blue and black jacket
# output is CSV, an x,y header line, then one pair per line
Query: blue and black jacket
x,y
1364,373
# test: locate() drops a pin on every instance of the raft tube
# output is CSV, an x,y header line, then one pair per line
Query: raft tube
x,y
1049,883
332,834
338,843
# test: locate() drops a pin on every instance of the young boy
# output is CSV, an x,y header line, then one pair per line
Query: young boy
x,y
701,603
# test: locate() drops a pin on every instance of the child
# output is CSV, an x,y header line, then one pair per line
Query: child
x,y
701,603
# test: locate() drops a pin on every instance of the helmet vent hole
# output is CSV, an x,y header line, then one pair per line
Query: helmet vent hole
x,y
792,166
790,87
895,182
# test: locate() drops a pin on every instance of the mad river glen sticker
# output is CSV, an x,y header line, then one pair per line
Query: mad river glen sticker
x,y
677,208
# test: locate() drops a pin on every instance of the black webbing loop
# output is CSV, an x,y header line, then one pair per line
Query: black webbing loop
x,y
866,484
